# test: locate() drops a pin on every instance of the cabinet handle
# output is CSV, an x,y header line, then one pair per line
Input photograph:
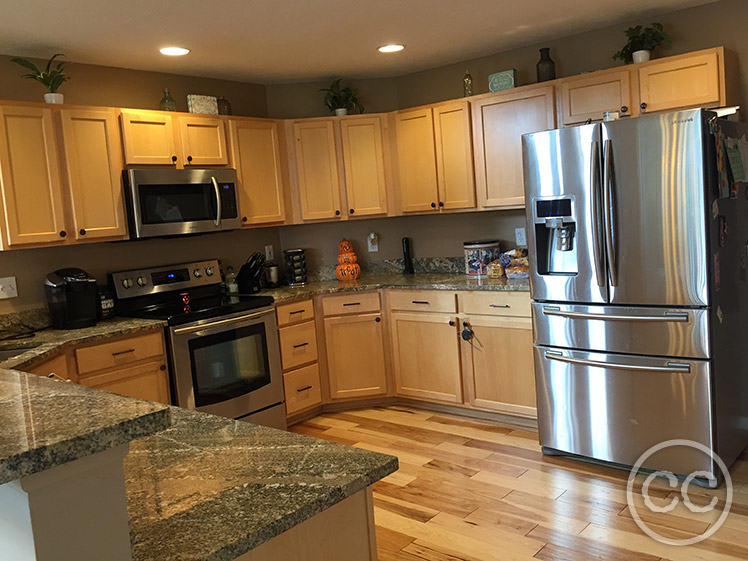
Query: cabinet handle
x,y
173,158
624,109
189,158
433,205
499,306
424,302
63,233
305,388
82,231
643,106
244,218
295,312
337,213
352,304
351,211
377,319
441,203
162,367
452,323
300,345
127,351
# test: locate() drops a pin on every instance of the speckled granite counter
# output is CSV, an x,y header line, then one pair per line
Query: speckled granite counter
x,y
51,342
211,489
419,281
46,423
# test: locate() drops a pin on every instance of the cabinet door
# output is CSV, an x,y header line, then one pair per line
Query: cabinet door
x,y
426,356
257,159
31,186
317,166
417,160
203,141
684,82
499,121
56,367
355,356
93,161
148,138
589,97
454,156
363,159
503,375
145,381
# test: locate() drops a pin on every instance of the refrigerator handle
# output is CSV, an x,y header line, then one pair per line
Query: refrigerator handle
x,y
609,212
596,213
671,366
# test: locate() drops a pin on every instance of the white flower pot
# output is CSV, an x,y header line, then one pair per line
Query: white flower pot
x,y
53,98
640,56
341,112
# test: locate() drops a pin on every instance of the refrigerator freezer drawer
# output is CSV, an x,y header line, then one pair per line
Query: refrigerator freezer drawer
x,y
623,329
615,407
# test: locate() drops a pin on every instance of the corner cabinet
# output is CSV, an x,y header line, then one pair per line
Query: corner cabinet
x,y
499,121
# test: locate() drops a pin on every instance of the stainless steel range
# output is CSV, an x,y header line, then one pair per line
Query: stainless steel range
x,y
223,350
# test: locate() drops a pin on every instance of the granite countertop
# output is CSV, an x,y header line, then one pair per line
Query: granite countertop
x,y
49,343
211,489
47,423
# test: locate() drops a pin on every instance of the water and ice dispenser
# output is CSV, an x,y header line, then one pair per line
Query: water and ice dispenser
x,y
555,230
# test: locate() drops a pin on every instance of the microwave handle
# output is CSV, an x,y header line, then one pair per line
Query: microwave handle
x,y
218,201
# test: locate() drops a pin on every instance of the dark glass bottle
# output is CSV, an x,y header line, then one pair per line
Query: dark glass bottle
x,y
168,103
546,66
224,107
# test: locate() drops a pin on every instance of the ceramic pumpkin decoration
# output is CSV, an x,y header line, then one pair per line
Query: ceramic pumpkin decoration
x,y
347,269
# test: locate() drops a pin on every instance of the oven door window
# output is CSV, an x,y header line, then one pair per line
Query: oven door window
x,y
229,364
166,204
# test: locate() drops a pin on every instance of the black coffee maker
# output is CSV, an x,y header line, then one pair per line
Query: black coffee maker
x,y
72,298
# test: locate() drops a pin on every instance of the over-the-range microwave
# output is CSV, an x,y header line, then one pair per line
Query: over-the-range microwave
x,y
172,202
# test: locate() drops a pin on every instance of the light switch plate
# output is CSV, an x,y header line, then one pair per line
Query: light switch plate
x,y
519,237
8,288
269,253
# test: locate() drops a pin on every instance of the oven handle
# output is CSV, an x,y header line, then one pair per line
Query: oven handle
x,y
219,323
218,201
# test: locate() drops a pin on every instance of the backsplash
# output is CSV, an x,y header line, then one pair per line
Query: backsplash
x,y
449,265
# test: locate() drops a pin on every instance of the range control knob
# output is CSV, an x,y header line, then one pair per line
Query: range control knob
x,y
127,283
209,271
142,281
197,273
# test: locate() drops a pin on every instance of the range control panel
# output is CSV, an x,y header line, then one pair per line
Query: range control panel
x,y
142,282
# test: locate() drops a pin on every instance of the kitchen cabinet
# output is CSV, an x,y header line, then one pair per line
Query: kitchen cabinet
x,y
363,161
93,166
56,367
298,345
317,169
148,138
258,161
145,381
416,158
499,121
203,141
302,389
590,95
454,156
32,195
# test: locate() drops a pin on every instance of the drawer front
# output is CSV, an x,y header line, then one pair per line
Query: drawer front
x,y
302,388
495,303
423,300
355,303
298,344
295,312
118,353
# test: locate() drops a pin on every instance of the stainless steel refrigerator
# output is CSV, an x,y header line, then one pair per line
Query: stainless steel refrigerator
x,y
638,295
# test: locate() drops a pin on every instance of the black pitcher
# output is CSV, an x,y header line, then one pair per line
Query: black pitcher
x,y
546,66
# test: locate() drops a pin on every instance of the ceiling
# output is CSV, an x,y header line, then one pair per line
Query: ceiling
x,y
274,41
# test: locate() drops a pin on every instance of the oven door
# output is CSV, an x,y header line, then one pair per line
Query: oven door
x,y
189,201
228,366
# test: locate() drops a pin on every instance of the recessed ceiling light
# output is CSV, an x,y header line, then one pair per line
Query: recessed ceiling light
x,y
391,48
174,51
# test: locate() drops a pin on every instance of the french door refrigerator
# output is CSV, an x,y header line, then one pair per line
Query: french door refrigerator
x,y
637,291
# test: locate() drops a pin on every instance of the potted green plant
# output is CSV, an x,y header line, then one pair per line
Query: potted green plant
x,y
341,100
641,42
50,78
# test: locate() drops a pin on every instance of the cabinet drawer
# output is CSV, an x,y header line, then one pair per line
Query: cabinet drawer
x,y
423,300
298,344
118,353
495,303
351,303
295,312
145,381
302,389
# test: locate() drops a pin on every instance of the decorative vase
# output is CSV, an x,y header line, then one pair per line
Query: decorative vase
x,y
224,107
341,111
467,83
168,103
640,56
546,67
53,98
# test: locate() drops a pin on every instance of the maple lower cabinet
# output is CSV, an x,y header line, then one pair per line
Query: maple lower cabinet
x,y
93,166
426,356
145,381
499,121
258,161
32,195
589,96
317,169
363,161
148,138
203,141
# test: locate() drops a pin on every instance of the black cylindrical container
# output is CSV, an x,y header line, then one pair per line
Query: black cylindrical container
x,y
407,258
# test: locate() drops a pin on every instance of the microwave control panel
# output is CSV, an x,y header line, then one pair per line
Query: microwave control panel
x,y
228,200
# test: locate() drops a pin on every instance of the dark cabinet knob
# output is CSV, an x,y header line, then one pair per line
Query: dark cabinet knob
x,y
452,323
189,158
351,211
162,367
378,320
244,218
82,232
173,158
433,205
337,213
624,109
63,233
643,106
441,204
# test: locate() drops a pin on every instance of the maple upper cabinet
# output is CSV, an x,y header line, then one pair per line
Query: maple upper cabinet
x,y
30,178
363,161
317,169
589,96
499,121
454,155
203,141
93,165
416,157
148,138
257,158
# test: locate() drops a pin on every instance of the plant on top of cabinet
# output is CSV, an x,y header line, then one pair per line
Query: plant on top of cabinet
x,y
641,39
50,78
340,100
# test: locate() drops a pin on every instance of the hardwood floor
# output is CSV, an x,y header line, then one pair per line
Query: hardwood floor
x,y
472,491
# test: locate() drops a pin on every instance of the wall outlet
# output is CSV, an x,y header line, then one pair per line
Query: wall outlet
x,y
8,288
372,242
269,253
519,237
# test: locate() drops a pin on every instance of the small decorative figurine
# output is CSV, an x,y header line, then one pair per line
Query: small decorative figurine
x,y
348,269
